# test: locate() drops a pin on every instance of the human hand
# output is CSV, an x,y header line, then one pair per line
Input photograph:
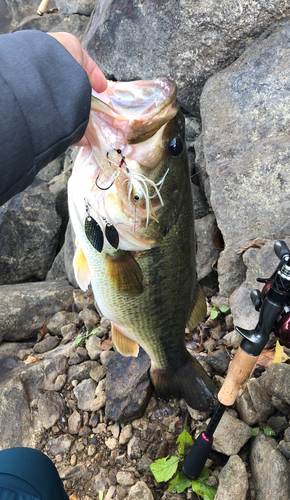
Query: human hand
x,y
95,75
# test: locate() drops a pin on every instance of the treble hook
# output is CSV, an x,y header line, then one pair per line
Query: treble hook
x,y
122,162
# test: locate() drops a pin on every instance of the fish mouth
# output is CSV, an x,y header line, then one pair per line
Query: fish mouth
x,y
139,108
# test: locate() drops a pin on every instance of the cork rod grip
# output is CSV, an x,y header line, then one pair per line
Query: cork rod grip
x,y
239,370
42,7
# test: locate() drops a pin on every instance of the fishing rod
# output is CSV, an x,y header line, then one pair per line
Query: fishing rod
x,y
273,304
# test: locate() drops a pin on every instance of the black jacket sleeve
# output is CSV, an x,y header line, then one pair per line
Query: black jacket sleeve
x,y
45,98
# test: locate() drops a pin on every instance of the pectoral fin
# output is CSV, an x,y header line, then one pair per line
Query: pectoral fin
x,y
81,269
125,273
199,311
125,346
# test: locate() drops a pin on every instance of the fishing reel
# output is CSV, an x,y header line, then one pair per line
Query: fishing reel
x,y
273,304
280,282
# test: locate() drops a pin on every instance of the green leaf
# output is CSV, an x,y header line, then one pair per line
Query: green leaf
x,y
205,491
94,331
255,431
214,314
164,468
204,474
184,438
268,431
179,483
224,309
101,495
78,339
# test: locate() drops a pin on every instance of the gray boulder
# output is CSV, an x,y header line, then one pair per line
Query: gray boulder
x,y
51,407
229,489
18,9
128,386
270,469
231,434
67,8
245,117
207,253
29,227
259,263
74,24
184,41
26,307
16,420
276,381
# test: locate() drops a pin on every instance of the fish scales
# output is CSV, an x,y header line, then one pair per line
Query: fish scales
x,y
148,286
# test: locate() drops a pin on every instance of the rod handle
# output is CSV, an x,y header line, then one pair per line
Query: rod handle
x,y
239,371
42,7
197,456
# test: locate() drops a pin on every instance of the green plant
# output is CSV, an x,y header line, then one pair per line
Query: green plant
x,y
265,428
218,310
83,337
165,468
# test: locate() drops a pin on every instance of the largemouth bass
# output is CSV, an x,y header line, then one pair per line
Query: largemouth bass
x,y
131,207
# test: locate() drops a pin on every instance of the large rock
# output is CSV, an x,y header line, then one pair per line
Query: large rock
x,y
128,386
67,8
18,9
51,407
245,118
276,381
5,17
270,470
233,480
43,374
16,420
260,263
26,307
207,253
29,226
184,41
231,434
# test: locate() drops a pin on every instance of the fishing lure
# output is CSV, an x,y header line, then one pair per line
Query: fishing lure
x,y
95,234
122,162
138,184
138,188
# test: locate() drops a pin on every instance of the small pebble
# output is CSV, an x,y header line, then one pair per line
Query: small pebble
x,y
111,443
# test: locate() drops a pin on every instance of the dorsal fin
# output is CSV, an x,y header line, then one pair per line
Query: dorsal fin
x,y
125,346
81,269
199,311
125,273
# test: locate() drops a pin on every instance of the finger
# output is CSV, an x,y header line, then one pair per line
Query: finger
x,y
96,76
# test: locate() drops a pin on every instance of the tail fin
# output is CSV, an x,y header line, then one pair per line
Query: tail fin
x,y
190,382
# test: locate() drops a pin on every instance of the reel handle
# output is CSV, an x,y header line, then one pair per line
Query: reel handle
x,y
281,249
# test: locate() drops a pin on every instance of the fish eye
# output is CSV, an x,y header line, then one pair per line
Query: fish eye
x,y
175,147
